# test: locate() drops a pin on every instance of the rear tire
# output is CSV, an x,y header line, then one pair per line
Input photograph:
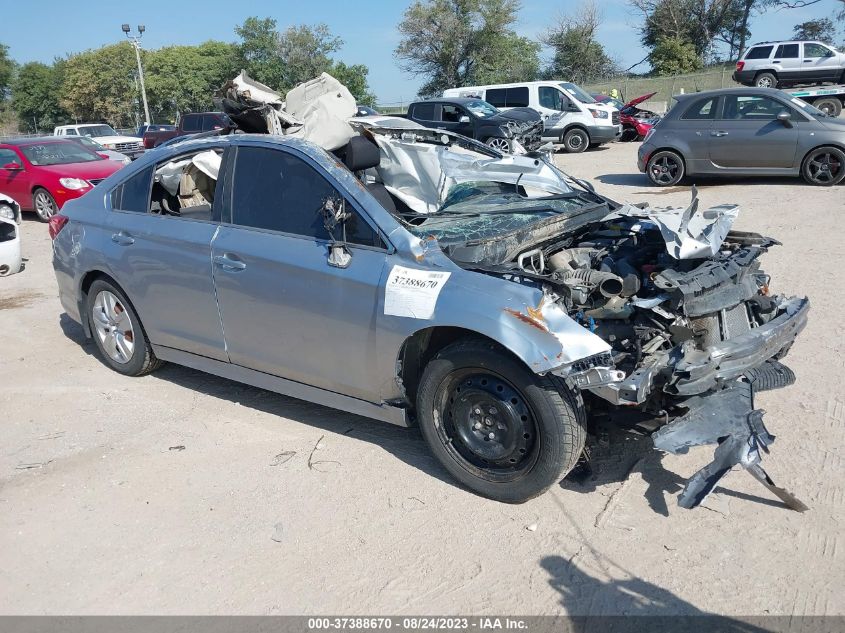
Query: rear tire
x,y
575,140
498,428
44,204
766,80
665,168
824,167
117,331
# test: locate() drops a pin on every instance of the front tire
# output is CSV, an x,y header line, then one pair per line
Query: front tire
x,y
575,140
831,107
498,428
44,204
824,167
766,80
665,168
117,331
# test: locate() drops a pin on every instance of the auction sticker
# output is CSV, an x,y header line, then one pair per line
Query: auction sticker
x,y
413,293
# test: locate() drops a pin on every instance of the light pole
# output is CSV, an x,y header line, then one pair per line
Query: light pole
x,y
136,42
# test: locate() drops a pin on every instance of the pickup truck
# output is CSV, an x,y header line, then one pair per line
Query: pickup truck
x,y
477,119
190,123
105,135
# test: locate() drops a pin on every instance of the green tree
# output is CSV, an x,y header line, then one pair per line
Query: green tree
x,y
7,71
101,85
460,42
355,78
822,30
674,56
184,78
36,96
259,50
698,22
578,56
511,58
304,52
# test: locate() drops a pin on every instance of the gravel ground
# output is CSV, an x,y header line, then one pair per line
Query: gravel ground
x,y
182,493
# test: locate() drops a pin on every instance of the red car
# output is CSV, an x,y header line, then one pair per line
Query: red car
x,y
41,174
635,122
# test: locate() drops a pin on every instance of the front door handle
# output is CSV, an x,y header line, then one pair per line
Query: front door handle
x,y
719,133
227,262
123,238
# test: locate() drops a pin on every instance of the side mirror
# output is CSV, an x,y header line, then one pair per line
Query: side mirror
x,y
785,118
334,213
464,119
13,166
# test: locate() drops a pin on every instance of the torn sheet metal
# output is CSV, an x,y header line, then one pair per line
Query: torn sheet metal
x,y
10,241
728,418
688,233
421,174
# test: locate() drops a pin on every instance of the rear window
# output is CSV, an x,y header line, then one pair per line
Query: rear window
x,y
508,97
192,123
787,51
759,52
424,111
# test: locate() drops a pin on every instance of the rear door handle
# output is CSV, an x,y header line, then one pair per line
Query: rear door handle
x,y
228,262
719,133
123,238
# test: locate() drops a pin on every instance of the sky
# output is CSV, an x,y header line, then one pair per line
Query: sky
x,y
44,29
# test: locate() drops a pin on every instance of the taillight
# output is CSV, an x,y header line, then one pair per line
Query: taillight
x,y
55,224
740,66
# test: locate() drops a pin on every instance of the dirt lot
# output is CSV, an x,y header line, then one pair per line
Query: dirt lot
x,y
184,493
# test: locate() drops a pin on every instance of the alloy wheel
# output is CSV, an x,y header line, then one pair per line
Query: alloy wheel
x,y
824,167
487,425
664,170
500,144
44,205
113,327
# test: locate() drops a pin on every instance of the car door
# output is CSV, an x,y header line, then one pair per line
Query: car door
x,y
163,262
286,309
554,106
15,183
455,119
748,135
787,61
691,131
820,63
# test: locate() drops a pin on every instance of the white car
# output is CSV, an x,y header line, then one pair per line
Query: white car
x,y
10,236
105,135
94,146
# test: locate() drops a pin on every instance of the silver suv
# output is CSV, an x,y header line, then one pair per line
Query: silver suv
x,y
773,64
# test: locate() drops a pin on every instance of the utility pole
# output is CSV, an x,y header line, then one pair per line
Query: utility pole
x,y
136,42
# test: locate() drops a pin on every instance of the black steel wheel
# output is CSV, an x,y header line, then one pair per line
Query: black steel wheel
x,y
665,168
497,427
824,166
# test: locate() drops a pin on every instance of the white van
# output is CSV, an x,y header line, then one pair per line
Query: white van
x,y
570,115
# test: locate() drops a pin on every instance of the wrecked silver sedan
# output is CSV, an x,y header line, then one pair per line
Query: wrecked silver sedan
x,y
419,277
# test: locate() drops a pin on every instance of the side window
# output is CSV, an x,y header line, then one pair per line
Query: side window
x,y
703,109
517,97
787,51
759,52
133,194
497,97
192,123
817,50
451,113
550,98
424,111
186,185
752,108
71,133
278,191
8,156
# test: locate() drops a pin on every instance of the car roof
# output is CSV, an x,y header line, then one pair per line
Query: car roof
x,y
20,142
450,100
731,91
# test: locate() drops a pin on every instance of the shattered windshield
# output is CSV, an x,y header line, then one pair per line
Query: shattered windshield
x,y
577,92
481,210
481,109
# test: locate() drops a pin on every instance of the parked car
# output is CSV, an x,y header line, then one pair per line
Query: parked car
x,y
570,115
105,135
190,123
744,132
94,146
635,121
773,64
519,305
10,236
41,174
154,127
505,131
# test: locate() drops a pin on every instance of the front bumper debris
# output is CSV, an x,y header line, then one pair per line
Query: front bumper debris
x,y
726,417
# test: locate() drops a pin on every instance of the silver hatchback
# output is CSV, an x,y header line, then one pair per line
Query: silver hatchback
x,y
419,277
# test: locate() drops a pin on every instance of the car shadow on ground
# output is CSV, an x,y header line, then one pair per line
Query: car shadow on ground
x,y
701,182
617,453
405,443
